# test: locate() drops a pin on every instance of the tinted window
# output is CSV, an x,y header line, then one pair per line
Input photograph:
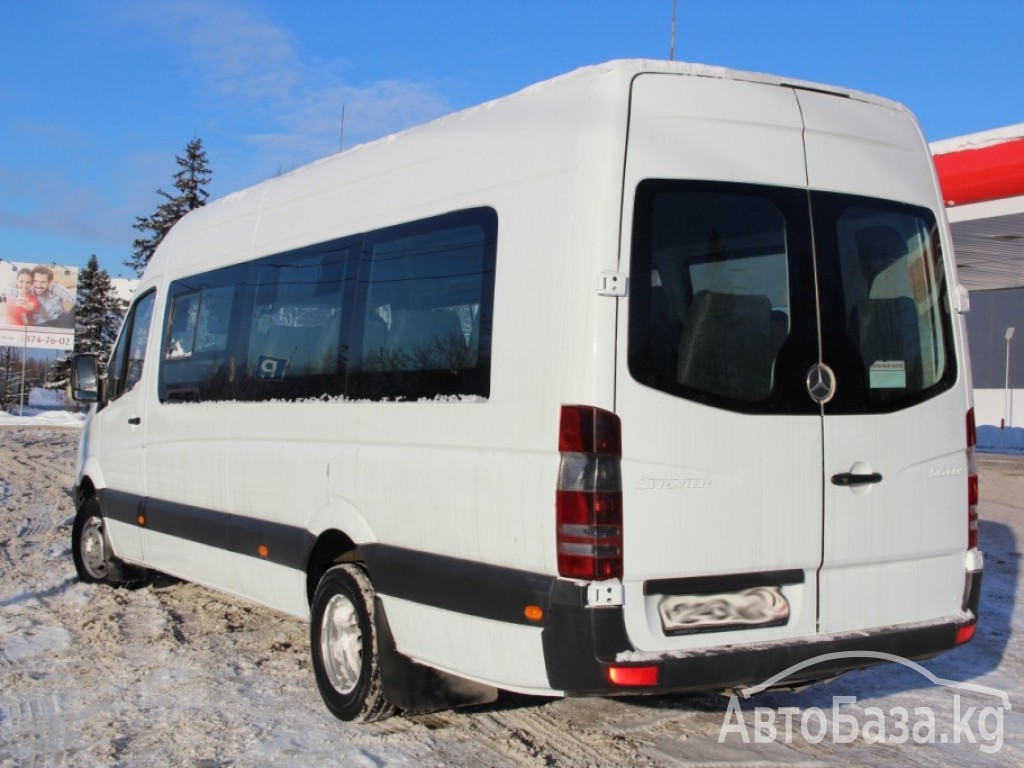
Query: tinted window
x,y
726,292
885,313
297,341
426,306
199,362
129,355
416,324
719,278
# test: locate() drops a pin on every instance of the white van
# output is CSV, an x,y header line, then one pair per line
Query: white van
x,y
649,378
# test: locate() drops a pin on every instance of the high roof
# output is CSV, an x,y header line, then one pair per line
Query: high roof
x,y
982,179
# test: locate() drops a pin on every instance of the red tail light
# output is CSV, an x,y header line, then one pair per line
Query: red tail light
x,y
972,483
588,505
633,677
965,632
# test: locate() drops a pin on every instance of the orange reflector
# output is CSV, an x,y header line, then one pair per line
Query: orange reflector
x,y
533,612
633,676
262,549
141,519
966,632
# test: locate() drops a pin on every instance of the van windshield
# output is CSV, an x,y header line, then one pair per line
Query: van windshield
x,y
725,298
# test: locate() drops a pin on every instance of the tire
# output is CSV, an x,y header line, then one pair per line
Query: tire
x,y
90,547
343,645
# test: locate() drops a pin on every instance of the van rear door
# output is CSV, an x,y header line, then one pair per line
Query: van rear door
x,y
787,342
895,503
722,446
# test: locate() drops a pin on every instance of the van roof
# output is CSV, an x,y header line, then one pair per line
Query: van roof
x,y
611,75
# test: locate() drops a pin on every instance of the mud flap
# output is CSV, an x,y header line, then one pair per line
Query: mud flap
x,y
415,688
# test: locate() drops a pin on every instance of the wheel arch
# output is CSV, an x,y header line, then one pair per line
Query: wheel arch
x,y
339,530
331,548
84,490
90,480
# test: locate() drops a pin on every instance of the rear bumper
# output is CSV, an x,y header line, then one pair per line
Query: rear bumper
x,y
581,644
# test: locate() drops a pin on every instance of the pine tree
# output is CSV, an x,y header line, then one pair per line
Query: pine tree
x,y
10,377
193,174
98,314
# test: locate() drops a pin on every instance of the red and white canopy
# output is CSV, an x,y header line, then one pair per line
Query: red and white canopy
x,y
982,180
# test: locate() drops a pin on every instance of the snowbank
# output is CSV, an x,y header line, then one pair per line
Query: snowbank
x,y
46,407
37,417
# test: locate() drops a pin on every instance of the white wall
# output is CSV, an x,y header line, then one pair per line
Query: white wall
x,y
990,407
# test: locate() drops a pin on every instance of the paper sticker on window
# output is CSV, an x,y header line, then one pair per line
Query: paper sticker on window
x,y
888,374
270,368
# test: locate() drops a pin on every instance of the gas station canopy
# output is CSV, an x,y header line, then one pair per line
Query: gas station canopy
x,y
982,180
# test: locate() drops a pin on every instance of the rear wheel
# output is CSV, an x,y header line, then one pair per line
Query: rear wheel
x,y
90,548
343,643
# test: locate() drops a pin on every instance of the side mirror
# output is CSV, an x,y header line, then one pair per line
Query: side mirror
x,y
85,379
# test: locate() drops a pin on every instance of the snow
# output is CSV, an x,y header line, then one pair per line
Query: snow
x,y
24,640
45,407
979,140
175,674
38,418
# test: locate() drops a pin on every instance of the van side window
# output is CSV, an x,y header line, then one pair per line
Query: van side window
x,y
129,354
297,341
427,311
197,361
298,324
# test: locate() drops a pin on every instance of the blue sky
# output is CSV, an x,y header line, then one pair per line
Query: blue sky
x,y
97,98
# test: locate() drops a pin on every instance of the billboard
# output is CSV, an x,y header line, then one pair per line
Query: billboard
x,y
37,305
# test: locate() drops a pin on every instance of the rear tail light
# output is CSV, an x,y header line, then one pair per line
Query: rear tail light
x,y
972,483
588,506
633,677
965,632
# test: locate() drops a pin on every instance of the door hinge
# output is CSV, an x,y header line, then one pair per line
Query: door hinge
x,y
611,283
961,300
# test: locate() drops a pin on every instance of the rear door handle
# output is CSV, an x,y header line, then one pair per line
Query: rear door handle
x,y
134,421
851,478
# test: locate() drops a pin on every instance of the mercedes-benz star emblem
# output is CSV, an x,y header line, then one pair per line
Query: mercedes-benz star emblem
x,y
821,383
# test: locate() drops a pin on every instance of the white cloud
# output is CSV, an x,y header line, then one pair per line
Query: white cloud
x,y
46,201
242,83
255,76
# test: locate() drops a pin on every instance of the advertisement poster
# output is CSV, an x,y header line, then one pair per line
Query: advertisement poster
x,y
37,305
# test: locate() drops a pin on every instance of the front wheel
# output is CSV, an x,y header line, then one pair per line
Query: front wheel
x,y
343,644
90,547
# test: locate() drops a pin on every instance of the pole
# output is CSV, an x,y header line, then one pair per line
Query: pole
x,y
672,36
1008,411
24,353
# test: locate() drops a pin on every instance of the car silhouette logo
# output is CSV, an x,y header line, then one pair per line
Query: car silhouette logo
x,y
879,656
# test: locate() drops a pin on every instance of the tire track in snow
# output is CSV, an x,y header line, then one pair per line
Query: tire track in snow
x,y
525,733
34,732
546,735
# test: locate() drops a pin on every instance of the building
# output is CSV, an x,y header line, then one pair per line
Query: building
x,y
982,179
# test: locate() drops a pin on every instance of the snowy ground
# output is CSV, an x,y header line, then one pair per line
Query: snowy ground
x,y
174,674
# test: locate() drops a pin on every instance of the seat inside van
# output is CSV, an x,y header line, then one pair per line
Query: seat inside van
x,y
726,346
886,333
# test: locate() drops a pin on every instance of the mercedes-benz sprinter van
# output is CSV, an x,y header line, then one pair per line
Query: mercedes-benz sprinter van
x,y
649,378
